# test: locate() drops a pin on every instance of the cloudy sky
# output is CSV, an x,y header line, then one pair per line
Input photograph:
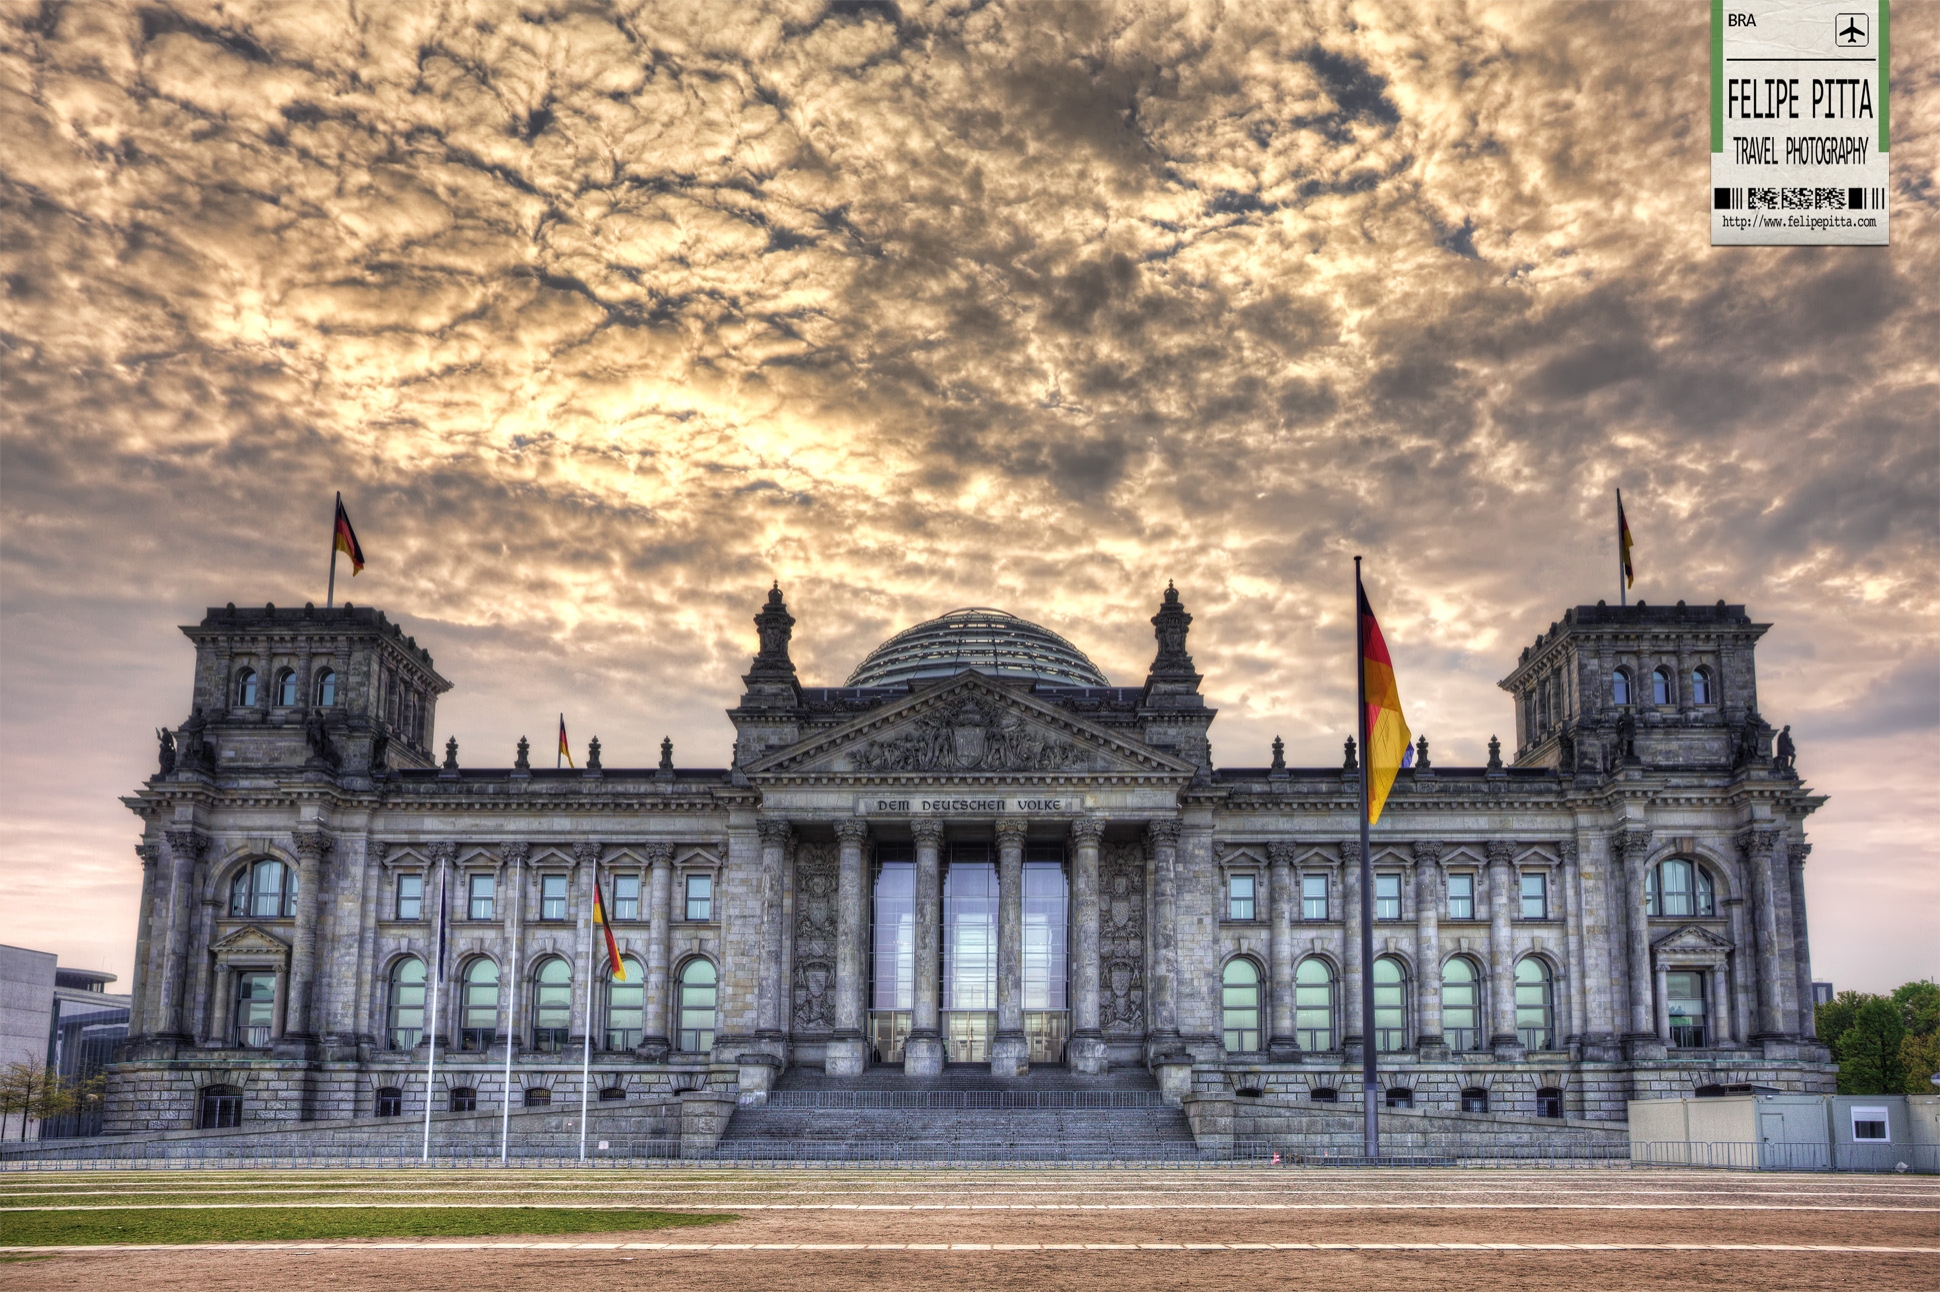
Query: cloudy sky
x,y
604,317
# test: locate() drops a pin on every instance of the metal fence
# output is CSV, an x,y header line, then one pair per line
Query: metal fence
x,y
971,1099
1923,1159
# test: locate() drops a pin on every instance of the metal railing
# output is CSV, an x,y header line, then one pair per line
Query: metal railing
x,y
945,1099
1922,1159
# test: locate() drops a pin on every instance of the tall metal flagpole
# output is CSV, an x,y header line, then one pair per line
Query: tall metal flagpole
x,y
512,1005
437,981
1370,1083
330,597
586,1055
1623,593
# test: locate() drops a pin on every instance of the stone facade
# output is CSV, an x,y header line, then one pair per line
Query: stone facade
x,y
1616,913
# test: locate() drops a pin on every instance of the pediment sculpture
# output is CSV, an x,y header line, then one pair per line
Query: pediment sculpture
x,y
972,737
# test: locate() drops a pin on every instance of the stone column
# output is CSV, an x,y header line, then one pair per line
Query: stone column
x,y
1282,1045
1086,1049
184,850
1757,845
1634,847
1572,897
511,978
299,1028
1350,960
1010,1052
368,1024
1717,1028
203,1024
439,882
772,984
1661,1019
138,985
847,1054
1744,977
923,1048
656,1029
1796,851
1164,836
1428,946
585,1014
1502,951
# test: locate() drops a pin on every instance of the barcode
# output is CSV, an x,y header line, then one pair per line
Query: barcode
x,y
1798,199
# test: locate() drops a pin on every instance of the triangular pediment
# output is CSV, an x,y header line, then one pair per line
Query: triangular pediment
x,y
250,939
968,726
1692,937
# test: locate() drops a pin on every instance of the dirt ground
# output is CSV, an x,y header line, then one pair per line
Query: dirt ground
x,y
1650,1210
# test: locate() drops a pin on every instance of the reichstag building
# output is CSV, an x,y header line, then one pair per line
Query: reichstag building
x,y
976,850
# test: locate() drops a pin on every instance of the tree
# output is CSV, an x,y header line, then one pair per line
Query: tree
x,y
1836,1015
1920,1059
1869,1051
16,1094
1919,1006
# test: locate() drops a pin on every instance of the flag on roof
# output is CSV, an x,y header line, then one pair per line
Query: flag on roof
x,y
346,538
1387,748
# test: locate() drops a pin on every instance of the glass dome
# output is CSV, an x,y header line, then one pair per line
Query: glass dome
x,y
989,641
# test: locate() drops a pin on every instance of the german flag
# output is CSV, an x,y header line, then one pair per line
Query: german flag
x,y
1623,545
1385,732
346,539
614,964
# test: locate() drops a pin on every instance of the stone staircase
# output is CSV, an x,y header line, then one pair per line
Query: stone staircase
x,y
964,1114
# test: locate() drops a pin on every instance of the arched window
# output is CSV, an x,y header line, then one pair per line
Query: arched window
x,y
1313,1004
286,688
246,688
405,1025
697,1007
1240,1001
265,890
1475,1100
1620,687
1535,1005
326,689
1549,1102
552,1005
1701,686
1390,1006
390,1101
1462,1004
538,1097
626,1006
1400,1097
220,1107
1660,686
255,1007
464,1099
1324,1095
613,1095
1678,887
478,1027
1684,989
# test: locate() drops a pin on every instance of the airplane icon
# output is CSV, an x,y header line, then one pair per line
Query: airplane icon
x,y
1849,30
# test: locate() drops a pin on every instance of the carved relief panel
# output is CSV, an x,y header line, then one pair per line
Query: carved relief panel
x,y
813,984
1121,938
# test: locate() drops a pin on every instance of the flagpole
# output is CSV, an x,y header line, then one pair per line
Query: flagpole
x,y
512,1004
586,1054
1370,1082
437,981
330,597
559,749
1623,593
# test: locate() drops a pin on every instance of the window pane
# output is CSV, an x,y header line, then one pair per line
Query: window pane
x,y
1706,897
246,689
1313,897
483,888
1674,880
1620,687
626,1006
1461,897
1535,896
697,1007
1535,1019
1240,1007
626,897
1461,1005
286,689
255,1007
326,688
700,897
267,902
410,897
1044,935
407,1004
552,897
970,936
1387,897
1660,687
1684,992
893,985
1313,1005
1240,906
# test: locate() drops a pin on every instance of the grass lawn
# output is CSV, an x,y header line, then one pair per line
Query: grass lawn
x,y
285,1224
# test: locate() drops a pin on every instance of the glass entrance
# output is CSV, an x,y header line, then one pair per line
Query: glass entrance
x,y
969,954
892,954
1046,936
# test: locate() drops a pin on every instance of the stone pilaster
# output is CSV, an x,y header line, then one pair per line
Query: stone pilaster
x,y
299,1028
1572,898
185,848
1282,1045
656,1029
1428,948
1085,1052
150,857
441,1001
585,1013
775,837
1010,1054
1502,952
1642,1040
923,1048
1350,959
847,1054
1796,852
511,978
1758,845
1164,837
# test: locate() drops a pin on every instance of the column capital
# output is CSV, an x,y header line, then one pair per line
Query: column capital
x,y
773,830
1501,852
587,852
658,854
515,851
927,830
444,852
850,830
1757,842
1350,852
1011,831
1566,850
311,844
1797,851
1164,831
187,843
1281,854
149,855
1087,829
1632,845
1428,852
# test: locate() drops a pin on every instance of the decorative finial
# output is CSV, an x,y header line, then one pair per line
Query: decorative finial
x,y
1495,754
1421,753
524,763
593,754
1279,754
451,754
666,753
1351,764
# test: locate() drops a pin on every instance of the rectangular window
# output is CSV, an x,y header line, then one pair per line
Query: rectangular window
x,y
1461,897
700,897
255,1008
410,897
626,897
1313,897
552,897
1869,1124
1387,897
1239,905
483,888
1535,895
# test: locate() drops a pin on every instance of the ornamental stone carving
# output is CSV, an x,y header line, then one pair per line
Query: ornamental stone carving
x,y
817,870
972,737
1121,937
